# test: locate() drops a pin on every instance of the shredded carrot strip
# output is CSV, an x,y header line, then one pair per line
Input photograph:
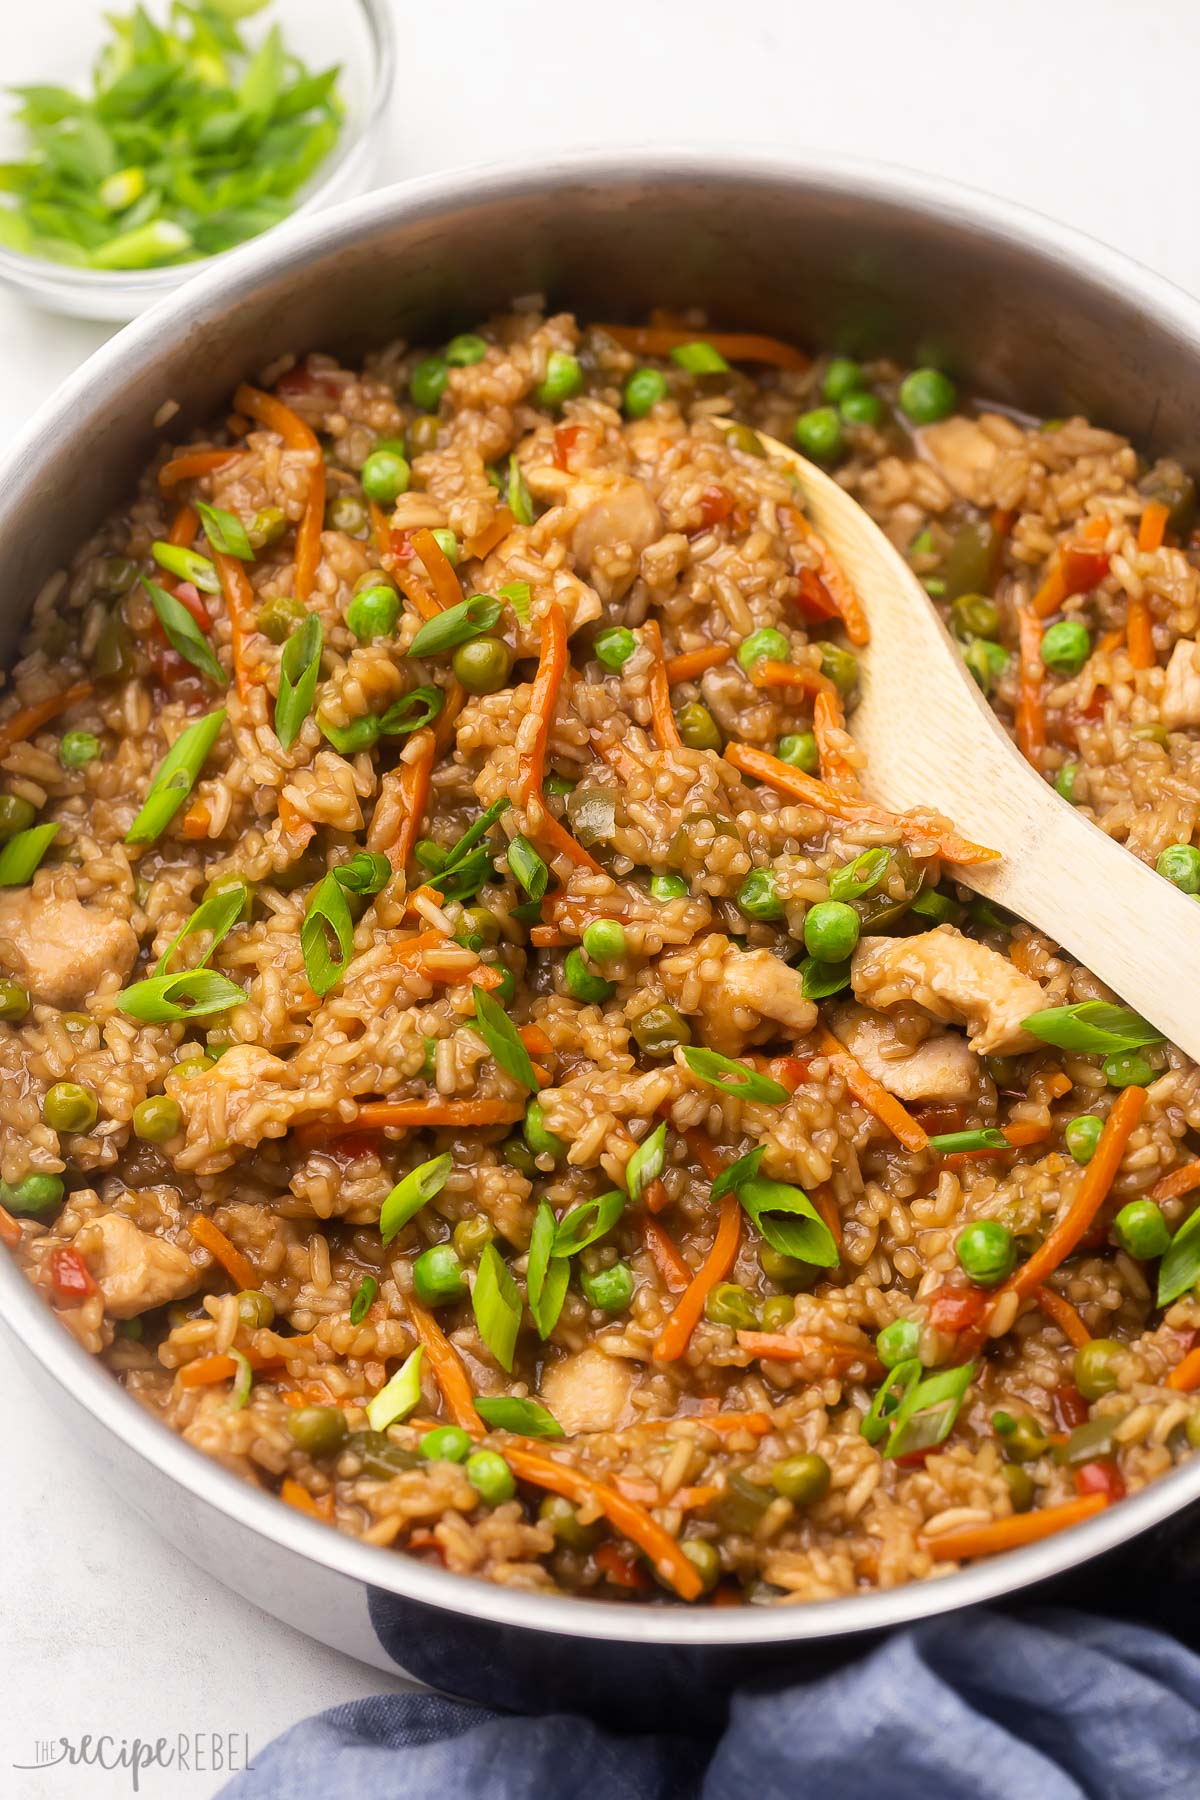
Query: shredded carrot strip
x,y
239,603
829,730
447,1367
1181,1181
210,1237
1020,1137
557,838
196,820
536,1040
1152,527
294,1495
548,937
648,1493
485,541
408,785
673,1340
206,1370
616,756
738,346
267,410
800,676
417,595
1098,1177
381,531
758,1424
831,1218
1185,1376
184,527
21,725
626,1516
413,1115
189,465
829,572
438,567
299,828
675,1272
780,1346
1031,705
552,666
1074,570
799,786
1011,1533
1060,1312
10,1229
665,728
1055,1083
1139,636
655,1195
691,663
705,1152
1110,640
872,1094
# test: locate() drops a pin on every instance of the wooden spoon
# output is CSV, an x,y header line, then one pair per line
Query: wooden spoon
x,y
932,740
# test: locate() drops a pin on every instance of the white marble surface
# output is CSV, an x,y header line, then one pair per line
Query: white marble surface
x,y
1083,108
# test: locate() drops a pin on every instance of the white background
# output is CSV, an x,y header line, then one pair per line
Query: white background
x,y
1082,108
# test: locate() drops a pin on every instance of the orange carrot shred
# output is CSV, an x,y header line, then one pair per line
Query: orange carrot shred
x,y
872,1094
737,346
691,663
1181,1181
831,1218
705,1152
1185,1376
665,728
767,673
1060,1312
1109,641
413,1115
1011,1533
298,1497
1139,635
485,541
239,603
673,1340
438,567
829,730
210,1237
196,820
1098,1178
1031,705
300,829
381,531
268,410
555,837
406,787
21,725
207,1370
552,666
829,573
1152,527
190,465
1021,1136
414,591
10,1229
781,1346
447,1366
675,1272
758,1424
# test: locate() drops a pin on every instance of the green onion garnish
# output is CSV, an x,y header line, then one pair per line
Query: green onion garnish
x,y
503,1412
218,915
546,1275
457,625
412,712
818,980
225,532
899,1383
364,1299
411,1193
183,633
952,1143
400,1396
175,777
189,565
520,502
239,1393
22,854
788,1220
925,1417
588,1223
699,359
500,1035
496,1303
518,596
744,1169
192,994
862,876
327,923
1180,1265
734,1078
528,867
367,872
299,667
647,1162
1093,1027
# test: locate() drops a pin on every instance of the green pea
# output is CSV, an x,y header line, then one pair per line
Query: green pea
x,y
831,929
643,391
478,928
438,1277
482,665
32,1194
491,1477
384,477
77,1024
610,1289
842,377
1180,863
986,661
927,396
1020,1486
14,1001
705,1558
317,1430
517,1155
986,1251
839,666
266,527
974,615
78,748
730,1304
605,942
427,383
467,348
802,1479
279,616
346,512
819,434
697,727
580,982
758,898
789,1271
1096,1367
777,1312
1066,646
1026,1441
16,814
862,409
615,646
660,1030
1127,1068
373,613
562,381
743,438
256,1310
191,1066
157,1119
1141,1230
445,1443
897,1342
766,644
1064,781
541,1140
668,887
799,749
70,1107
423,433
1082,1135
557,1512
471,1237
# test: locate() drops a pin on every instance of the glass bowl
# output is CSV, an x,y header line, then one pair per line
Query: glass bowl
x,y
357,34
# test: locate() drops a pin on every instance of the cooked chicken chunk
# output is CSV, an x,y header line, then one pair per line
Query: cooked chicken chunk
x,y
953,977
1181,690
516,559
737,990
963,454
589,1391
617,520
59,948
941,1067
133,1269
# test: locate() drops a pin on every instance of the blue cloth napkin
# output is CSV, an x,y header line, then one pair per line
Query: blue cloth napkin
x,y
1048,1705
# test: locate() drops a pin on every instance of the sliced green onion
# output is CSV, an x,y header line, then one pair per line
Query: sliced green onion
x,y
225,532
400,1396
364,1299
647,1162
218,914
188,565
239,1393
503,1412
175,777
457,625
501,1037
1180,1265
588,1223
520,503
518,596
734,1078
546,1275
860,877
926,1414
744,1169
412,712
348,740
496,1303
818,980
1093,1027
411,1193
899,1383
22,854
953,1143
699,359
367,872
528,867
192,994
183,633
327,921
299,668
788,1220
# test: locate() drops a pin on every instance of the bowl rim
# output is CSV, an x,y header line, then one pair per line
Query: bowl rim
x,y
74,407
